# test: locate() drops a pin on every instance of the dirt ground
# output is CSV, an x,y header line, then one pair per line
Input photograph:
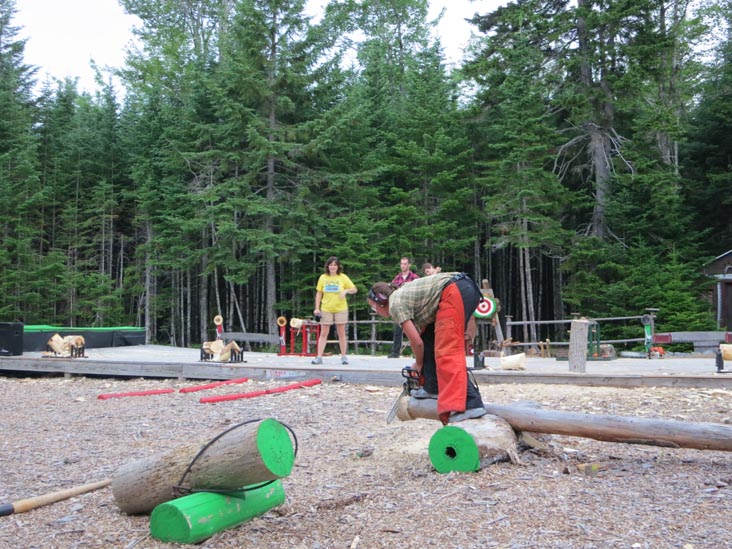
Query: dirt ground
x,y
358,482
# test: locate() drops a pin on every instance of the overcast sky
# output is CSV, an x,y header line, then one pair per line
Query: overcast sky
x,y
65,35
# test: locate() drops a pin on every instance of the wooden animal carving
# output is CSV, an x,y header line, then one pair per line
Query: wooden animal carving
x,y
218,351
69,346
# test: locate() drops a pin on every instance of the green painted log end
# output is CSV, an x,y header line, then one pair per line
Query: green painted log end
x,y
451,449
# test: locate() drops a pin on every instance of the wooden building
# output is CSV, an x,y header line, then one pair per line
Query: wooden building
x,y
720,268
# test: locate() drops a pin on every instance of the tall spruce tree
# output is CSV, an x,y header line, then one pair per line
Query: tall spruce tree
x,y
514,131
22,254
415,152
166,80
275,90
708,150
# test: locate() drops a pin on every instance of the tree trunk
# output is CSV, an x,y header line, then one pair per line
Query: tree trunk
x,y
203,313
629,430
531,312
148,285
599,120
600,154
522,296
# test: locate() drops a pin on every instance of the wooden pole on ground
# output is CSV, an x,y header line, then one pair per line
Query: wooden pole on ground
x,y
23,505
578,345
629,430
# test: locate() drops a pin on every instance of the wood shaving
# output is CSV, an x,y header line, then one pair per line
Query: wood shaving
x,y
572,492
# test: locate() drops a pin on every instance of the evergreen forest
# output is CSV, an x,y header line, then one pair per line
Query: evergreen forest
x,y
579,158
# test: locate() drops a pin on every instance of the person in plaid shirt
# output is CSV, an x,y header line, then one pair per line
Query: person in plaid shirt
x,y
406,274
433,312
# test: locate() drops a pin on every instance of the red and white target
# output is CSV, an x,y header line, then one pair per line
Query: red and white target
x,y
486,308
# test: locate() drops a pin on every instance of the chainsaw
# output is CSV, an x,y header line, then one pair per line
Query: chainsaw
x,y
411,381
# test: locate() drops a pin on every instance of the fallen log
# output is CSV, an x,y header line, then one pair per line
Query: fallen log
x,y
607,428
250,454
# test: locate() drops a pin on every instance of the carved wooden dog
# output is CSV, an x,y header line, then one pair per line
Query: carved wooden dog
x,y
69,346
217,351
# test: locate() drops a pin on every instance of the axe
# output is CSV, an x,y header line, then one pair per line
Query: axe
x,y
23,505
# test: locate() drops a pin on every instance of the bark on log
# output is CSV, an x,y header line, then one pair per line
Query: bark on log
x,y
250,454
629,430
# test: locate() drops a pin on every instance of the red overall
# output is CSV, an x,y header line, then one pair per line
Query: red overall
x,y
452,377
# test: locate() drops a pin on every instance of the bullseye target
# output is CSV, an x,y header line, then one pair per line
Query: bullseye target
x,y
486,308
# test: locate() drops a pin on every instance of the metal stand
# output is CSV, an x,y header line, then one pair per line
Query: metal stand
x,y
305,331
719,361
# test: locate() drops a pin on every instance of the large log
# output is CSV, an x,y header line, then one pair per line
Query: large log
x,y
248,455
629,430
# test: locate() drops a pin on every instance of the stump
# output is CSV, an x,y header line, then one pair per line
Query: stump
x,y
462,446
250,454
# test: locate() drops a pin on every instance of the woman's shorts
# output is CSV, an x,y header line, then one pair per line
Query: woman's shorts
x,y
328,319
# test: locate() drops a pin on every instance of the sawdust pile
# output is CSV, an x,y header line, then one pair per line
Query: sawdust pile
x,y
359,482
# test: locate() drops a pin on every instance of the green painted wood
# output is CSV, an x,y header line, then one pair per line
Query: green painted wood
x,y
196,517
248,455
275,448
451,449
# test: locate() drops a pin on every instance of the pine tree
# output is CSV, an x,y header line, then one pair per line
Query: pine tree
x,y
21,255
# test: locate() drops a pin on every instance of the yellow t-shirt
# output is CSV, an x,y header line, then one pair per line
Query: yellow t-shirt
x,y
331,288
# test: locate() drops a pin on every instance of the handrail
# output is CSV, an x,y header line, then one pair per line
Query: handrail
x,y
510,323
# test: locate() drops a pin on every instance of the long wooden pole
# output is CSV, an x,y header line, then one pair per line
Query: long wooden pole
x,y
629,430
23,505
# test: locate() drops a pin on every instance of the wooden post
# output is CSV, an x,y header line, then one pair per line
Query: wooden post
x,y
248,455
373,334
578,345
487,291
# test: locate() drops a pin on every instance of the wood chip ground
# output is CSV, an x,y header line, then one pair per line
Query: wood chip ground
x,y
358,482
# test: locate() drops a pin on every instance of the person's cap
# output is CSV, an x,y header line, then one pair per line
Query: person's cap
x,y
378,297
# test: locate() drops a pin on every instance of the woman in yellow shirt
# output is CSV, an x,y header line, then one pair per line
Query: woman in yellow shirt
x,y
332,307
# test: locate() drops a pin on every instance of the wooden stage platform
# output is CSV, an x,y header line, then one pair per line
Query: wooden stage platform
x,y
157,361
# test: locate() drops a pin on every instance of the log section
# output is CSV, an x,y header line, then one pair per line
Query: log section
x,y
248,455
629,430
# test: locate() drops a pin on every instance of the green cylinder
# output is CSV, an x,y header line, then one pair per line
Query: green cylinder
x,y
453,449
275,447
193,518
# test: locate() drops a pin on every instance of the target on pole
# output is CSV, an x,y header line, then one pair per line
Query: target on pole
x,y
486,308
